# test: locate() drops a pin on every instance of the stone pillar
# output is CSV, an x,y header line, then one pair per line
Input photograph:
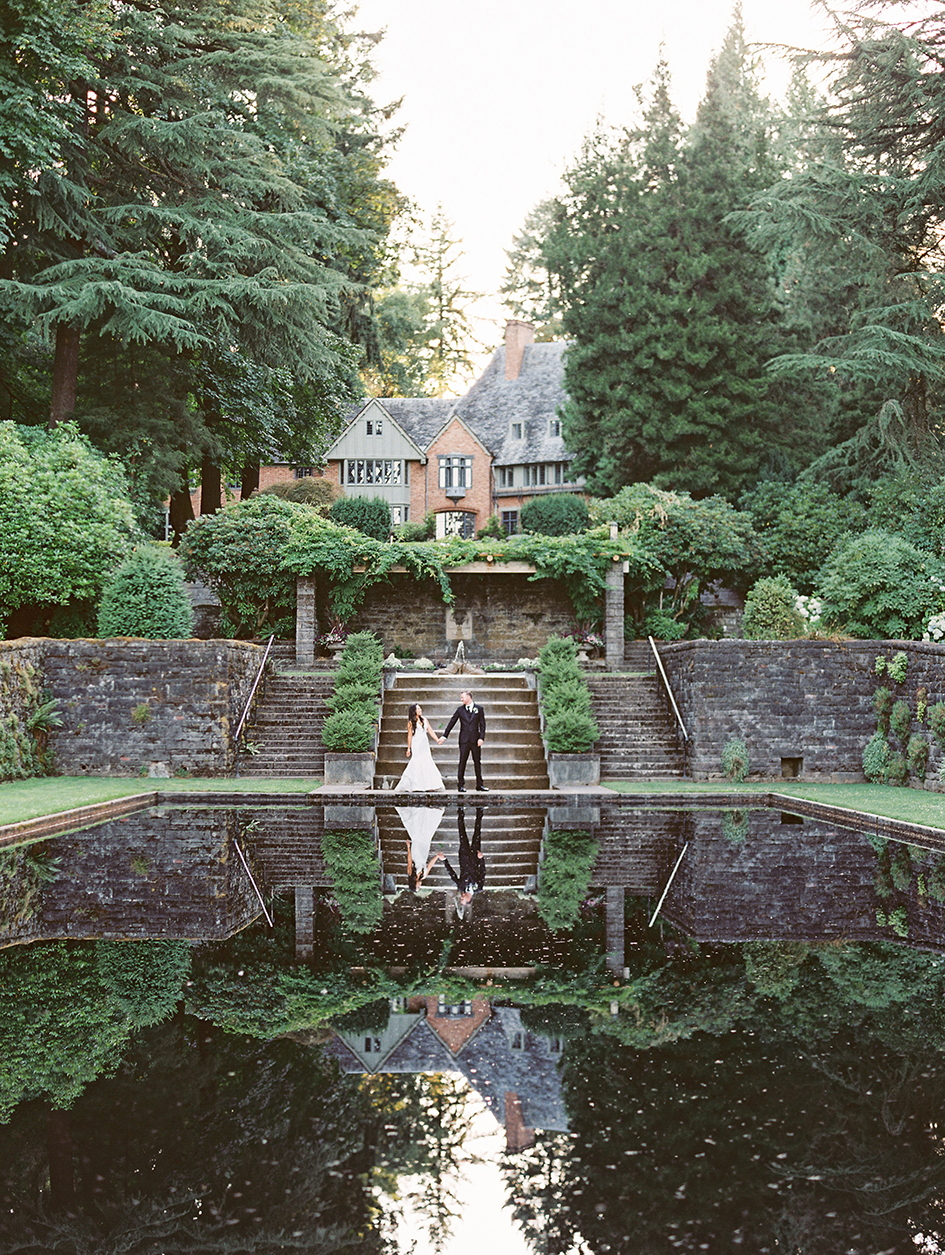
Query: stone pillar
x,y
304,922
615,928
305,621
613,617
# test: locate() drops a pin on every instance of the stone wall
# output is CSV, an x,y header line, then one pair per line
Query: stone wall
x,y
789,700
499,616
130,706
161,872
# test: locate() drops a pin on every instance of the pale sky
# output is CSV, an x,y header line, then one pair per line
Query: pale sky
x,y
498,95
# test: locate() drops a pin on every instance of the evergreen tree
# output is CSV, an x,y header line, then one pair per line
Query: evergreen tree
x,y
860,223
671,311
217,198
447,340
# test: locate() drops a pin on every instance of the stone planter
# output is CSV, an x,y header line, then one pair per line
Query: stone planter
x,y
356,770
568,771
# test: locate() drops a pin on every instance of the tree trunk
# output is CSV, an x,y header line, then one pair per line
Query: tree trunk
x,y
249,479
181,511
65,373
211,487
61,1167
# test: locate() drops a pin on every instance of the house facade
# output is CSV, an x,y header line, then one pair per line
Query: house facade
x,y
461,459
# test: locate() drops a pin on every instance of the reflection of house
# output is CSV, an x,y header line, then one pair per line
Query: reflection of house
x,y
465,459
514,1072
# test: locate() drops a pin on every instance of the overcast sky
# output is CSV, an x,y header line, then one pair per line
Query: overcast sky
x,y
498,94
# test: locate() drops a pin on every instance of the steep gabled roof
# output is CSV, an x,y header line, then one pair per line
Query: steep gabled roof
x,y
493,403
421,418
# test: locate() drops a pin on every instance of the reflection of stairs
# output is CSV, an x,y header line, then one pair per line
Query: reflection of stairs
x,y
287,731
513,756
511,840
637,733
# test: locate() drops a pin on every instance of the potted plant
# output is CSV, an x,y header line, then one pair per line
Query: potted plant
x,y
568,725
349,734
334,640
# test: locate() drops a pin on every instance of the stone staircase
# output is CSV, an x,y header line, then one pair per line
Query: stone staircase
x,y
510,844
513,756
287,730
637,733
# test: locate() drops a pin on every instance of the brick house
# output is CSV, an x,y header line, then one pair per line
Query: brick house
x,y
461,459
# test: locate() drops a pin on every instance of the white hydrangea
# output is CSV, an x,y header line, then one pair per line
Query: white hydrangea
x,y
935,628
809,608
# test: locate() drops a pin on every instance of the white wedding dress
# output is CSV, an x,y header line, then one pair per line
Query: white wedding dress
x,y
421,823
422,774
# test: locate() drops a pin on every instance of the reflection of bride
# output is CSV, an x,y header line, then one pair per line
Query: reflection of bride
x,y
422,772
421,823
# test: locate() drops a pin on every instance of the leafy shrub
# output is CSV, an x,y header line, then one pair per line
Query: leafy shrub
x,y
898,666
349,731
900,719
735,826
558,514
799,525
311,490
936,718
917,755
570,727
882,704
774,967
412,532
569,694
146,597
145,978
571,732
351,694
370,515
372,1017
351,862
771,612
735,760
492,529
878,585
897,769
555,1019
900,869
564,875
876,758
658,624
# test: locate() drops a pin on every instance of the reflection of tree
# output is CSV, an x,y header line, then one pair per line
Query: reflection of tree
x,y
421,1126
744,1139
536,1180
202,1142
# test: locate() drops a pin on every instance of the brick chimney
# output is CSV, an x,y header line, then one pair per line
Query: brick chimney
x,y
518,336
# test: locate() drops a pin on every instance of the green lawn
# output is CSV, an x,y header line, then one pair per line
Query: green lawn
x,y
28,799
911,805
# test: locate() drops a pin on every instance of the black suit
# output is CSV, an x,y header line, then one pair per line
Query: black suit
x,y
472,866
472,730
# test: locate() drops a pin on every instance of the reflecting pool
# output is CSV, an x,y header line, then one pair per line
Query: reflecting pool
x,y
623,1028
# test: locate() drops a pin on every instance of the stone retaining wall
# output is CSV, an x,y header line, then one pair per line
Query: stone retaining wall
x,y
808,700
130,706
499,616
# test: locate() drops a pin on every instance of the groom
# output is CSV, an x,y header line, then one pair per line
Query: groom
x,y
472,733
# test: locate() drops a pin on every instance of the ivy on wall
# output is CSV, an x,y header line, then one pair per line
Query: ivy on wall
x,y
251,553
25,721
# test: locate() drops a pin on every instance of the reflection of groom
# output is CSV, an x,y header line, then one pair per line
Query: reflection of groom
x,y
472,866
472,733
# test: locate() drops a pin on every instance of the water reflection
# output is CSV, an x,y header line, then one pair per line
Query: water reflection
x,y
760,1070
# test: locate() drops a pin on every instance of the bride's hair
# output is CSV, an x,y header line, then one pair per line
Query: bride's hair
x,y
412,715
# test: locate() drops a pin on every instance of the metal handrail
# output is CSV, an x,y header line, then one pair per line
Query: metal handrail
x,y
669,691
252,691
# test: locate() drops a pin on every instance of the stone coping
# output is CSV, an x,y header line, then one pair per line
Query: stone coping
x,y
100,812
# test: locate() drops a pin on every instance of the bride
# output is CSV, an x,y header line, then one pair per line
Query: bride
x,y
422,772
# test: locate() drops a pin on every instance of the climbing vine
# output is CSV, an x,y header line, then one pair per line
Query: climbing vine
x,y
27,717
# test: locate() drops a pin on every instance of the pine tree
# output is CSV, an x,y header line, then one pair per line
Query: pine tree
x,y
671,311
219,199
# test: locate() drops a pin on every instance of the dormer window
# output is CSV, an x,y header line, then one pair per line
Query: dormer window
x,y
374,426
515,430
554,426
